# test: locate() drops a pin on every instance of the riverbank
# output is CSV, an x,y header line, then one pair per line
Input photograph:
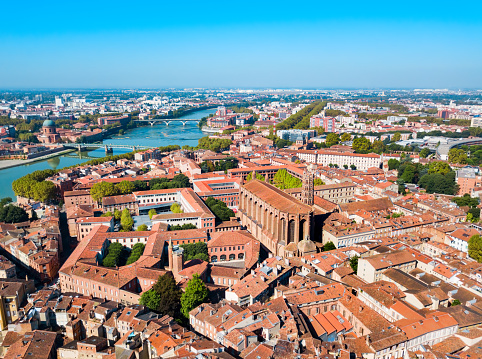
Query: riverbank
x,y
153,136
14,163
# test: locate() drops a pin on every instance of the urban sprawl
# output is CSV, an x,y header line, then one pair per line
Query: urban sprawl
x,y
305,224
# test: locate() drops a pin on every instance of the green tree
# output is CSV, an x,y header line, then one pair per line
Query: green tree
x,y
438,183
328,246
361,145
332,139
117,215
393,164
44,191
469,218
196,293
354,263
152,212
378,146
219,208
457,156
198,250
5,200
466,200
249,177
12,214
345,137
176,208
455,302
318,182
283,180
167,301
127,222
136,253
475,248
439,167
102,189
396,137
125,187
281,143
107,214
140,185
178,227
353,167
475,212
114,255
142,227
409,174
151,299
424,152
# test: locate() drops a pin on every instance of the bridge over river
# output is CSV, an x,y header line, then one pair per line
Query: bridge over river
x,y
108,147
167,121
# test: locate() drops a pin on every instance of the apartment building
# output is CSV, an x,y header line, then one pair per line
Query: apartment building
x,y
371,268
336,193
362,162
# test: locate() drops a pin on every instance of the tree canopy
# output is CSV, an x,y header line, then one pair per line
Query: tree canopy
x,y
249,177
332,139
198,250
179,181
12,214
179,227
219,208
34,186
103,189
152,212
475,248
214,144
164,296
127,222
196,293
176,208
328,246
283,180
136,253
301,119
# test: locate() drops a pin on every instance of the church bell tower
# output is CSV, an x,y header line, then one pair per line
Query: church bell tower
x,y
308,190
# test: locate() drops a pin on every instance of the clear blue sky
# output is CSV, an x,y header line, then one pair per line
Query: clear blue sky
x,y
316,44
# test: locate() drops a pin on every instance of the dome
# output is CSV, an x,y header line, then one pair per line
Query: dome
x,y
306,246
48,123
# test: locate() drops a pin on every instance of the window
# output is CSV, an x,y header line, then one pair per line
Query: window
x,y
223,258
214,258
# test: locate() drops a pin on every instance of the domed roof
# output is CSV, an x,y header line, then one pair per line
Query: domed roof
x,y
307,245
48,123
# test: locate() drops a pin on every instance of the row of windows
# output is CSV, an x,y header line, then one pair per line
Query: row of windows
x,y
227,249
223,257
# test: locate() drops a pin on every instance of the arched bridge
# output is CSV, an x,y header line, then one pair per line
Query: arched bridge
x,y
167,121
443,150
108,147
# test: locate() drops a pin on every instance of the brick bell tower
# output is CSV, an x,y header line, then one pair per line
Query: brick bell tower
x,y
308,190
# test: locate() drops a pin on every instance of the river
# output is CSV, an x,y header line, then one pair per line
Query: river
x,y
157,135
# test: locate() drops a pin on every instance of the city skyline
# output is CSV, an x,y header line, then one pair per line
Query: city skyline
x,y
310,45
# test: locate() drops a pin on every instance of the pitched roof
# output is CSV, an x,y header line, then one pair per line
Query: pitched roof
x,y
276,197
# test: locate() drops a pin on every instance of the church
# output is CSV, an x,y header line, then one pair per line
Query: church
x,y
282,223
49,133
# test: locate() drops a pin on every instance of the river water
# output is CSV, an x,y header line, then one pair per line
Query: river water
x,y
157,135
